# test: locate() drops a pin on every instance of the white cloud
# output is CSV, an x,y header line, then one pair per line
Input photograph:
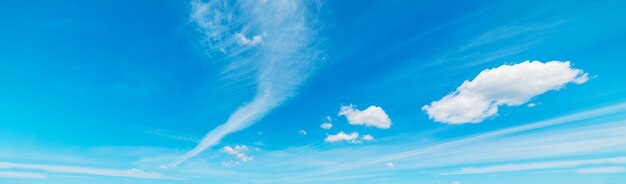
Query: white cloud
x,y
390,164
129,173
326,126
238,151
341,136
367,137
372,116
601,170
243,40
510,85
456,182
302,132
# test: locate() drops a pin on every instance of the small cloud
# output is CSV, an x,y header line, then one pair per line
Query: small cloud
x,y
372,116
532,104
390,164
238,151
259,132
230,163
367,137
243,40
456,182
341,136
510,85
302,132
326,126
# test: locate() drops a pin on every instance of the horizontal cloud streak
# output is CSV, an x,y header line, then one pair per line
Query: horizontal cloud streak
x,y
539,165
130,173
22,175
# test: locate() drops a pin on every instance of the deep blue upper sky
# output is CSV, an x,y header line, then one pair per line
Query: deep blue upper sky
x,y
236,92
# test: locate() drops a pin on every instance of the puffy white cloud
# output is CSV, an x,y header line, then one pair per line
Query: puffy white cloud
x,y
238,151
390,164
372,116
302,132
510,85
326,126
367,137
341,136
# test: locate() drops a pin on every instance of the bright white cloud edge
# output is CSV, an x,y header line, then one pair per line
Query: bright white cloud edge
x,y
510,85
372,116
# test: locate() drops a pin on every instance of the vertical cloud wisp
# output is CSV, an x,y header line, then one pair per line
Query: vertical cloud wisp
x,y
280,50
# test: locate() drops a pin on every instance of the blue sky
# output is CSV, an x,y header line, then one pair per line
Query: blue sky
x,y
458,92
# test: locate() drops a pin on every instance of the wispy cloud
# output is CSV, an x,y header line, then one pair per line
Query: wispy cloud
x,y
601,170
21,175
129,173
171,135
540,165
287,56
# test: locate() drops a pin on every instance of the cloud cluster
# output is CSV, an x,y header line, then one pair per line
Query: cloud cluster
x,y
510,85
238,151
372,116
